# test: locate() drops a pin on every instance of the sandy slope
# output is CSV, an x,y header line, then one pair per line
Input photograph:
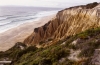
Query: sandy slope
x,y
18,34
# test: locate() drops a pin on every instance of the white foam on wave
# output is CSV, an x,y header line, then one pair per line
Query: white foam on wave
x,y
45,13
8,24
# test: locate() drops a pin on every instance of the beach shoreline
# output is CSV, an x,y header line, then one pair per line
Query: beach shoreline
x,y
19,33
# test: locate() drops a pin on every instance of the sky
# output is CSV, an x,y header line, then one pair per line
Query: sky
x,y
45,3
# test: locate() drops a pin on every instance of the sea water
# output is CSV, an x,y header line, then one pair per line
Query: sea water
x,y
11,17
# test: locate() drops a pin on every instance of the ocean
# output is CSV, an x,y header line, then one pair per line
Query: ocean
x,y
11,17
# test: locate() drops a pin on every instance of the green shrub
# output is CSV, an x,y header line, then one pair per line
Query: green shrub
x,y
87,52
27,50
52,54
72,46
90,32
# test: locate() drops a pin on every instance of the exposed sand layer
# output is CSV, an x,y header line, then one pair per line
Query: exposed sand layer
x,y
18,34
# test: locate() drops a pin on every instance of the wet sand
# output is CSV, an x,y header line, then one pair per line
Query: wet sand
x,y
18,34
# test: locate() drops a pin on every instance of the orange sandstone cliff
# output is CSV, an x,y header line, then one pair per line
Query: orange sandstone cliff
x,y
67,22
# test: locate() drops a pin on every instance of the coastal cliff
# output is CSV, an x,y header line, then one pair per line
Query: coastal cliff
x,y
67,22
70,38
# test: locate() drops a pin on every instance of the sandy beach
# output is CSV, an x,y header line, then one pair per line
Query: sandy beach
x,y
18,34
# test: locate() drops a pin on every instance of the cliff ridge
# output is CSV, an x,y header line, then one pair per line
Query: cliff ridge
x,y
67,22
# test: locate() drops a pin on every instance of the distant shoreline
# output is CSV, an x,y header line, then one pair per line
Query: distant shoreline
x,y
19,33
14,19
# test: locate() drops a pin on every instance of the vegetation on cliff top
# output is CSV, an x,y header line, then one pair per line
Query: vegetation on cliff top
x,y
76,49
57,54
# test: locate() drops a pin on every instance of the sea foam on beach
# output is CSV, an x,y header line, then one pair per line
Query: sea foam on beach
x,y
11,17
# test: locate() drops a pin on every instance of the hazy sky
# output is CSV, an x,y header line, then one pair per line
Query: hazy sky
x,y
45,3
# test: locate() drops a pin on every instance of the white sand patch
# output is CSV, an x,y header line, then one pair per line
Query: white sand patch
x,y
73,55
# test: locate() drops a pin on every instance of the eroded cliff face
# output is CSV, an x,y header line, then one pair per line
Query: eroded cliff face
x,y
75,21
67,22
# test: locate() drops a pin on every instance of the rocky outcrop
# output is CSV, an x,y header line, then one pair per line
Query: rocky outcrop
x,y
67,22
